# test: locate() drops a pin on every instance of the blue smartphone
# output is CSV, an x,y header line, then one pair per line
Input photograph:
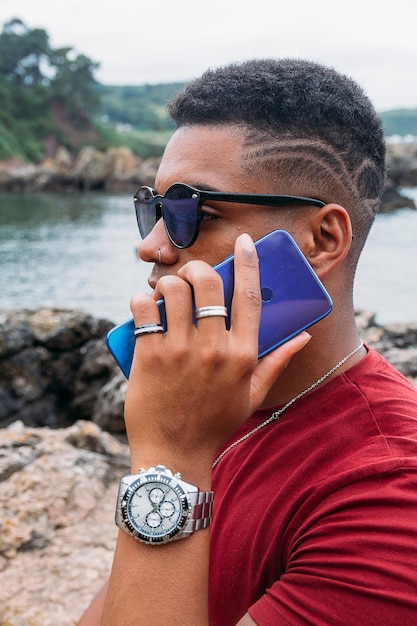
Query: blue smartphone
x,y
293,298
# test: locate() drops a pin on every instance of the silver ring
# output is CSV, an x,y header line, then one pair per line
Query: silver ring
x,y
147,329
210,311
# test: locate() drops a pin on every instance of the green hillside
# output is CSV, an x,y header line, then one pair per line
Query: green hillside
x,y
50,97
141,106
135,116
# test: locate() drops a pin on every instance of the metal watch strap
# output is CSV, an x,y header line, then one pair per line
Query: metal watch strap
x,y
202,511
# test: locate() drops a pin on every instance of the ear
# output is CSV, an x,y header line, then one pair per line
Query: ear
x,y
329,239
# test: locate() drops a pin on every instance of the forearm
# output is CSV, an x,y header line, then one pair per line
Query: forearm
x,y
94,613
159,585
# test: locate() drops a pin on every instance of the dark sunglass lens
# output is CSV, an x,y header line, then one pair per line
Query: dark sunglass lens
x,y
180,214
147,213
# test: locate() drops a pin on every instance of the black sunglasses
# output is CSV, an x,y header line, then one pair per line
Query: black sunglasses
x,y
181,209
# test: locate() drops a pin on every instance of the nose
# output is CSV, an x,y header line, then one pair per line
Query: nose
x,y
158,240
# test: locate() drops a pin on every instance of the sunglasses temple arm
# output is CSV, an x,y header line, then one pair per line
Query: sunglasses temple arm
x,y
264,200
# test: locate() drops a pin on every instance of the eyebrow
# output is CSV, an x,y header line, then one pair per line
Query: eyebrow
x,y
204,187
198,186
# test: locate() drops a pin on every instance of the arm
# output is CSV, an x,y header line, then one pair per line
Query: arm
x,y
94,613
176,415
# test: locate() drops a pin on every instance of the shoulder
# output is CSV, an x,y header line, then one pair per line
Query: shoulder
x,y
374,371
387,397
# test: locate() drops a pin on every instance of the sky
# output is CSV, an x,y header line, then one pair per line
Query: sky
x,y
161,41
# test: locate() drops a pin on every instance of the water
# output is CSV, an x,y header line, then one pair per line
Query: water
x,y
78,251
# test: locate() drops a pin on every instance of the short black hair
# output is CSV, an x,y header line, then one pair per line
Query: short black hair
x,y
321,120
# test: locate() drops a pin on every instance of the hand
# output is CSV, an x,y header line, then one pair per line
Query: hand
x,y
191,389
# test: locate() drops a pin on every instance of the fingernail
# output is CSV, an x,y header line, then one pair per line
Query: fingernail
x,y
246,243
306,336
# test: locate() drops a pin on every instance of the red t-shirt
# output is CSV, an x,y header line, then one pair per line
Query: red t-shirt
x,y
315,516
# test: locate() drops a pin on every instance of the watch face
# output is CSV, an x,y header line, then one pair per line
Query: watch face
x,y
155,508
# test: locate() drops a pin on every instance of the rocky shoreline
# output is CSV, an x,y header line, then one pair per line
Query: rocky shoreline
x,y
55,368
62,452
119,169
115,169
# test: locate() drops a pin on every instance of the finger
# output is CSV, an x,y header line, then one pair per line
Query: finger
x,y
144,309
271,366
177,295
246,308
208,291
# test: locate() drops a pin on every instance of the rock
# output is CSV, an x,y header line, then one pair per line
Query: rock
x,y
402,164
147,171
53,366
401,172
63,160
122,166
113,169
57,534
109,407
393,199
396,342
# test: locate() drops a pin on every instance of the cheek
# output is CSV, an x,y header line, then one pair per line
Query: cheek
x,y
261,223
216,242
218,251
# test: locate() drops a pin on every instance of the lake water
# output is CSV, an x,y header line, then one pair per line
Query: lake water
x,y
78,251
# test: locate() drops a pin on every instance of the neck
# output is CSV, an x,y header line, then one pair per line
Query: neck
x,y
319,356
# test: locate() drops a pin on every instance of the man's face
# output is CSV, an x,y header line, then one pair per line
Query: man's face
x,y
209,158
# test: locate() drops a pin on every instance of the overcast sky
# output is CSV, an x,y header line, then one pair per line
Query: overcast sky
x,y
151,41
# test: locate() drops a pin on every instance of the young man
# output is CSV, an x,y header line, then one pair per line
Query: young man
x,y
311,452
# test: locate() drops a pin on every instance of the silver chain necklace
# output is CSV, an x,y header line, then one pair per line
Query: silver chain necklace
x,y
277,414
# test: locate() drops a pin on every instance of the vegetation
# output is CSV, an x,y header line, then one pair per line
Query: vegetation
x,y
35,80
50,92
135,116
141,106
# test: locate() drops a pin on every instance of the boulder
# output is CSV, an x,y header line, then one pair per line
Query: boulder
x,y
402,164
57,534
53,367
113,169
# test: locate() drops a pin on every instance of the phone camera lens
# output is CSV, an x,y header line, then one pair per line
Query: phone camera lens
x,y
266,294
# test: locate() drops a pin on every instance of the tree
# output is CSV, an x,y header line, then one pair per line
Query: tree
x,y
33,78
22,53
74,81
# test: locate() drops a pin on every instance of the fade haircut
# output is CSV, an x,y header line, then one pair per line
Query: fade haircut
x,y
304,123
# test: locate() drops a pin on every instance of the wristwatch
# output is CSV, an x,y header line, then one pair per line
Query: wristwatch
x,y
156,506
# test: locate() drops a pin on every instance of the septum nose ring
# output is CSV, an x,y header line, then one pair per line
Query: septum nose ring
x,y
159,256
